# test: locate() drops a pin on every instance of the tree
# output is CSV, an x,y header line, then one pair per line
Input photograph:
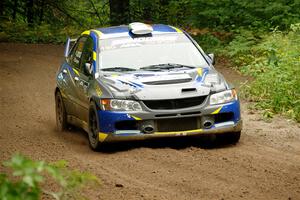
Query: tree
x,y
119,12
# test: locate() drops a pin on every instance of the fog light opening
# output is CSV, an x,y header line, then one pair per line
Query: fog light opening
x,y
208,122
148,129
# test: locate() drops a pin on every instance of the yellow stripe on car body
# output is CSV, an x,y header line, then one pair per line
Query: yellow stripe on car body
x,y
102,136
76,71
86,33
217,111
135,117
178,132
99,33
176,29
94,55
199,71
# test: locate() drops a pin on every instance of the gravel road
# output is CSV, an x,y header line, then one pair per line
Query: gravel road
x,y
265,164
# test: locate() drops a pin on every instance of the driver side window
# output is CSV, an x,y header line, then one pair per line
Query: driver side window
x,y
75,55
87,56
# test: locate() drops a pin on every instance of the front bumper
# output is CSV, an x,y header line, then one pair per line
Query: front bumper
x,y
109,132
103,137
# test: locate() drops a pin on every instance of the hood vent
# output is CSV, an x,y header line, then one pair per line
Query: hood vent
x,y
188,90
163,82
166,79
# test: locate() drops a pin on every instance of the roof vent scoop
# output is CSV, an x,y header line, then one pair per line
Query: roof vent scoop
x,y
139,28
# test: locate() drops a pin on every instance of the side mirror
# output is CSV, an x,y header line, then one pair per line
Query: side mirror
x,y
212,58
69,44
88,68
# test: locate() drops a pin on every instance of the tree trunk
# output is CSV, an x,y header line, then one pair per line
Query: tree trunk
x,y
30,12
15,8
119,12
42,11
2,8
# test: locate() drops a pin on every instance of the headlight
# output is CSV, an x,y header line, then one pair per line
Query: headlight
x,y
120,105
223,97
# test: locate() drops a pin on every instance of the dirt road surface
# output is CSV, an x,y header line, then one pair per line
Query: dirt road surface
x,y
264,165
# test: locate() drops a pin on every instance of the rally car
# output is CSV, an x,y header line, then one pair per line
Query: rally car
x,y
140,81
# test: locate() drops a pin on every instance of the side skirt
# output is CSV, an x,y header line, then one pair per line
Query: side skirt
x,y
78,122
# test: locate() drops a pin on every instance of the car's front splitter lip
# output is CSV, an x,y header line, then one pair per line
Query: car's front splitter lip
x,y
105,137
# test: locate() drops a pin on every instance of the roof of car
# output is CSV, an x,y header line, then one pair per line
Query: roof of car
x,y
123,30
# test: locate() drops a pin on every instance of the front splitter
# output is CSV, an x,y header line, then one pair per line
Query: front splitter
x,y
106,137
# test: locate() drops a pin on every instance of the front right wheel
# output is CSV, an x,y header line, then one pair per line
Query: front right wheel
x,y
94,128
229,138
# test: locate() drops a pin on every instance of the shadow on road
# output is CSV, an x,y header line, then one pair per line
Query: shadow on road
x,y
203,142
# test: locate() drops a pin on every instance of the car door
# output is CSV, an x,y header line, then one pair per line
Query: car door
x,y
72,67
85,77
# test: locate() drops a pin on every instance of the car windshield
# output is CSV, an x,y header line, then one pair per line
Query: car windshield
x,y
144,53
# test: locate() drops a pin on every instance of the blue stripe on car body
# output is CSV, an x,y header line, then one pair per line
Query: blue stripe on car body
x,y
124,29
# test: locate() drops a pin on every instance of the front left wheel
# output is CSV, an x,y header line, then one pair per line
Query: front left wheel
x,y
61,114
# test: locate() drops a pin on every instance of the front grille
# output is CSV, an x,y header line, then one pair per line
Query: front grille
x,y
177,124
174,103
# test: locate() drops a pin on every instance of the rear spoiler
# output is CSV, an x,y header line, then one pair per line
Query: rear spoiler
x,y
69,44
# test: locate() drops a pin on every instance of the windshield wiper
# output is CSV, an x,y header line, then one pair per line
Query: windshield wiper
x,y
118,69
166,66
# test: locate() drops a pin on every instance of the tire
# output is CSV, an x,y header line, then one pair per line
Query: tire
x,y
229,138
93,132
61,114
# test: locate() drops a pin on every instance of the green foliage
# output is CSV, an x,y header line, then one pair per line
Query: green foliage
x,y
274,61
44,33
209,42
53,19
177,13
223,14
28,180
241,47
230,14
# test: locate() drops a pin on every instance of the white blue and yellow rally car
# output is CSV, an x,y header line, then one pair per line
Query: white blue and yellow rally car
x,y
140,82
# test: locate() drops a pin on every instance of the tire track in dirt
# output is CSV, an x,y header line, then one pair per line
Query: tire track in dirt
x,y
264,165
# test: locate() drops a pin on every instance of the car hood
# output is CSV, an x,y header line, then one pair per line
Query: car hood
x,y
171,84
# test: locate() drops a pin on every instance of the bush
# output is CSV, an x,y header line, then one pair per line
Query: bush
x,y
26,182
209,42
274,62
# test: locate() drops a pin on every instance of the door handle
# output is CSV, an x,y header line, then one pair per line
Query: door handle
x,y
76,78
